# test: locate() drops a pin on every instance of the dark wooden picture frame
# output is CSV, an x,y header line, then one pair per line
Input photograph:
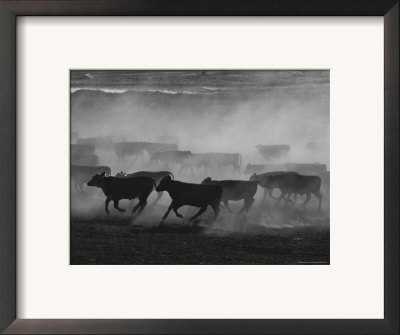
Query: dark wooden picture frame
x,y
9,10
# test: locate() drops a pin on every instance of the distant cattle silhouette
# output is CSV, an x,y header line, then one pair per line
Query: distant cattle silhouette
x,y
99,142
235,190
192,195
170,158
223,160
209,160
317,147
136,149
82,174
82,149
168,139
306,168
273,152
116,189
88,160
195,161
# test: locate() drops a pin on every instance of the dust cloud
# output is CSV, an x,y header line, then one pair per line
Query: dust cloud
x,y
207,111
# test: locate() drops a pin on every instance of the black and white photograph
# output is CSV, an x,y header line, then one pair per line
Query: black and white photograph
x,y
200,167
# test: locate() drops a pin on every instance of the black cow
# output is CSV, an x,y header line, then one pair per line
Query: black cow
x,y
296,184
192,195
116,189
82,174
156,176
88,160
235,190
273,152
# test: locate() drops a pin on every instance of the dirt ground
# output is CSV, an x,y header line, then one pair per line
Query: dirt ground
x,y
266,235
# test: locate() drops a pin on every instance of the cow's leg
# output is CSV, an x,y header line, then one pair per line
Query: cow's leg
x,y
136,207
226,204
248,203
167,212
319,196
287,198
201,211
243,208
215,207
308,197
116,202
175,208
106,205
283,194
264,196
142,204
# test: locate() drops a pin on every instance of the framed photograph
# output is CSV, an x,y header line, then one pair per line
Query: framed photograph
x,y
199,167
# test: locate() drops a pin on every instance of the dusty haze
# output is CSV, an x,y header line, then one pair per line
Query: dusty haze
x,y
219,111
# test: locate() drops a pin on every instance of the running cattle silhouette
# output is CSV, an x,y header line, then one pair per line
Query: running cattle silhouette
x,y
264,181
156,176
235,190
116,189
192,195
293,183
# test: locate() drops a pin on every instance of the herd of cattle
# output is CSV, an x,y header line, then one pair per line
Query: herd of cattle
x,y
289,178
